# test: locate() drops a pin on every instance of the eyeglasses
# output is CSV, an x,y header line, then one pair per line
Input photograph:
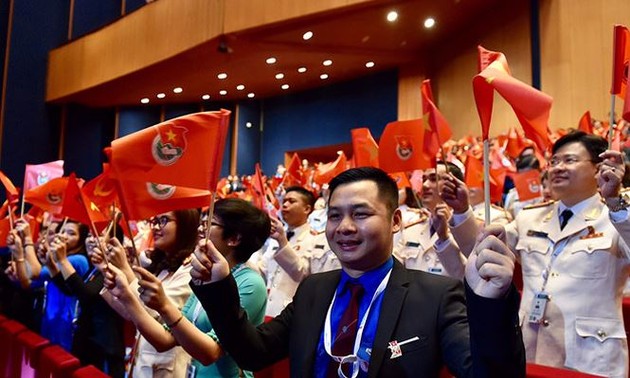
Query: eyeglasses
x,y
567,160
161,221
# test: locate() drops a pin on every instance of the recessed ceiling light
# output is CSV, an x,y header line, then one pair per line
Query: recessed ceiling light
x,y
271,60
302,69
145,100
223,92
308,35
248,125
279,76
222,76
323,76
429,23
178,90
285,86
369,64
240,87
392,16
327,62
161,95
205,97
251,95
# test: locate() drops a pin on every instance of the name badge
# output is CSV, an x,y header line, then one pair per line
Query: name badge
x,y
435,270
538,308
191,371
537,234
412,244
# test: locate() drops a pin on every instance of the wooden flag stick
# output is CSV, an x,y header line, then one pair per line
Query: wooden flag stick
x,y
210,214
611,128
486,180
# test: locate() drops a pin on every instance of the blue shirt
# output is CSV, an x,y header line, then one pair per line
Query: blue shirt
x,y
60,309
370,282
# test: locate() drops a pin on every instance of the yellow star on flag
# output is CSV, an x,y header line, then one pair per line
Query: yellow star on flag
x,y
93,206
171,136
425,121
489,79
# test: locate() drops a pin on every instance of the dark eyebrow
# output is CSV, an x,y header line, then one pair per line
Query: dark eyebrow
x,y
359,206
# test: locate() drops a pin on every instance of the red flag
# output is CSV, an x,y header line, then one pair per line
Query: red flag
x,y
364,148
621,60
516,143
258,190
39,174
474,172
586,123
48,196
145,199
530,105
326,172
416,181
102,189
401,145
402,181
437,130
5,227
185,151
293,174
13,194
528,184
76,206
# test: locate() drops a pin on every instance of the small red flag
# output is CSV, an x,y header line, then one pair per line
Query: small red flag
x,y
145,199
258,190
185,151
530,105
621,60
326,172
437,131
13,194
293,174
364,148
48,196
76,206
102,189
586,123
402,181
528,185
474,172
401,147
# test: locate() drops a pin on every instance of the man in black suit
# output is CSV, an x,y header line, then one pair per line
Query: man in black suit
x,y
406,323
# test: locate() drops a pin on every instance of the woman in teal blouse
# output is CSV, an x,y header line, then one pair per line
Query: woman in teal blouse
x,y
237,229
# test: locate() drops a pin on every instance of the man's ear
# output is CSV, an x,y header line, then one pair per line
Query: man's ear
x,y
397,221
234,241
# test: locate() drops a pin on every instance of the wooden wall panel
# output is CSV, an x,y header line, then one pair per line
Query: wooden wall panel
x,y
409,100
576,56
158,31
452,75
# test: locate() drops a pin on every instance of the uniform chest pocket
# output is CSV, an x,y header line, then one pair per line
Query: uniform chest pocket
x,y
589,258
534,253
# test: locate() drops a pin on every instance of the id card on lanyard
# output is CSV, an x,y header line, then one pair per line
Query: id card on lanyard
x,y
353,358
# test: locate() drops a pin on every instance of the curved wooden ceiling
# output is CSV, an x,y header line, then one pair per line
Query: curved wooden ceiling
x,y
350,36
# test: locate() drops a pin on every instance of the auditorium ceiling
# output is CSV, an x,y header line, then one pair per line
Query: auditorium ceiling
x,y
344,43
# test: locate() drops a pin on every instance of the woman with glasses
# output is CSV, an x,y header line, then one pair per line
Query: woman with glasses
x,y
237,229
174,239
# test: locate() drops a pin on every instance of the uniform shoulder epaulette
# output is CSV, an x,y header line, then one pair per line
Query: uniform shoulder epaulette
x,y
315,232
423,215
539,205
497,207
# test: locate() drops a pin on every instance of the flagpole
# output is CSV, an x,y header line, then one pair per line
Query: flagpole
x,y
22,207
611,129
210,214
486,180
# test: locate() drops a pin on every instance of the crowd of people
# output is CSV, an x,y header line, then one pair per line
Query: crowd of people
x,y
356,276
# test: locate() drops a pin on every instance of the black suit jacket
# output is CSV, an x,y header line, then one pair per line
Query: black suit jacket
x,y
415,303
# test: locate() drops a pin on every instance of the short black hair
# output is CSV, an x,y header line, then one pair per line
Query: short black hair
x,y
309,198
387,188
527,162
241,218
594,144
454,169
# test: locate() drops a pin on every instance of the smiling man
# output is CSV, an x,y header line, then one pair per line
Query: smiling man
x,y
575,258
374,318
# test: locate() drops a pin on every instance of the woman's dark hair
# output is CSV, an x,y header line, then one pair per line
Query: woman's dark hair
x,y
84,230
240,218
185,241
